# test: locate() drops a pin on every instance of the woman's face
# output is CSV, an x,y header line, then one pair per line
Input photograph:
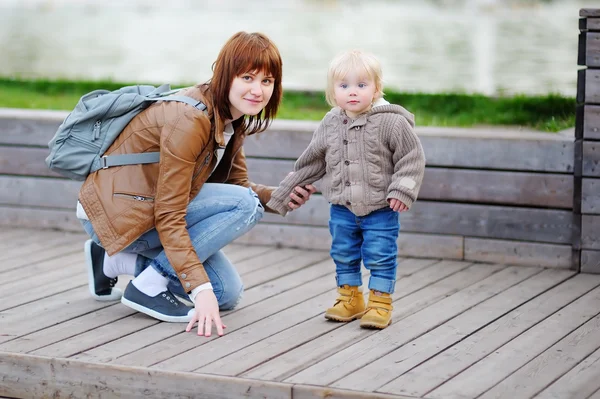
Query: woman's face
x,y
250,93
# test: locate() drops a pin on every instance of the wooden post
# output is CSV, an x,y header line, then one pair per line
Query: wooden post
x,y
586,204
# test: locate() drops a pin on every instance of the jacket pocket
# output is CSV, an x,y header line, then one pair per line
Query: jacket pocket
x,y
134,197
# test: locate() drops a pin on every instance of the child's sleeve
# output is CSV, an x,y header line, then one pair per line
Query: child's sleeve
x,y
409,163
309,168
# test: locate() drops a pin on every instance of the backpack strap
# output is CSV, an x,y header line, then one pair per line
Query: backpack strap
x,y
109,161
183,99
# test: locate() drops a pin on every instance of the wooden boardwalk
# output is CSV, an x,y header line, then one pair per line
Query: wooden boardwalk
x,y
461,330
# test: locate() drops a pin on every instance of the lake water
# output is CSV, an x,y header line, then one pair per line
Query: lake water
x,y
484,46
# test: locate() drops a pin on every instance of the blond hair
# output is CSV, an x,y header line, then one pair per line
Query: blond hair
x,y
354,60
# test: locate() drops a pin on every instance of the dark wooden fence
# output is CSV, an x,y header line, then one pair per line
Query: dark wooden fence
x,y
498,196
586,233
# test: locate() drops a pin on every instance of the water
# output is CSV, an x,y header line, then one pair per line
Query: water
x,y
482,46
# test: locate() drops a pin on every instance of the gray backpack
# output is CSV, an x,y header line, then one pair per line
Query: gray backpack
x,y
77,148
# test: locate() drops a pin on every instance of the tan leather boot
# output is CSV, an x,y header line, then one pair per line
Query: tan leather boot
x,y
379,311
349,305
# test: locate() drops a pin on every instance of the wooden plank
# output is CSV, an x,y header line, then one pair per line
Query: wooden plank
x,y
264,350
409,244
550,365
290,362
41,255
385,341
589,80
282,268
27,217
591,158
590,47
35,376
128,344
590,261
590,196
40,338
24,162
590,232
49,311
25,251
591,122
261,330
441,184
443,353
267,259
310,392
61,279
272,316
246,253
446,147
164,340
22,238
474,220
100,335
29,127
423,295
498,365
320,273
580,382
39,192
518,253
589,12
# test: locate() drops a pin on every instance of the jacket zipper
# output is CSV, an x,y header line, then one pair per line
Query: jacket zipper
x,y
140,198
98,123
206,162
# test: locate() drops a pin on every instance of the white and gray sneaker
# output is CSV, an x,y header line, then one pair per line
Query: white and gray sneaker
x,y
164,306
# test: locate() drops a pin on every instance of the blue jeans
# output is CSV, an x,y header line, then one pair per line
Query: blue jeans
x,y
372,239
219,214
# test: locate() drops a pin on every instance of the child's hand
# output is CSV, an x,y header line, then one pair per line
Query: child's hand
x,y
398,205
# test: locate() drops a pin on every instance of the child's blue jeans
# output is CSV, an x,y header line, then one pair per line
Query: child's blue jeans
x,y
372,239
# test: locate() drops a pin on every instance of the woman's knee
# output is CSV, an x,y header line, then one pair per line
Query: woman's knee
x,y
251,206
231,297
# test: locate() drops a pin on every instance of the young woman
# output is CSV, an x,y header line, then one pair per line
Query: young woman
x,y
165,223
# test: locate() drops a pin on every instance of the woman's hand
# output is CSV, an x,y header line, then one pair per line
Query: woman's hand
x,y
207,311
300,195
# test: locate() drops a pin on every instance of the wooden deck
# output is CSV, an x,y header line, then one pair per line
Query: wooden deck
x,y
461,330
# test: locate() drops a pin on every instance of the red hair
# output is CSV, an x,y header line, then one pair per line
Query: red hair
x,y
243,53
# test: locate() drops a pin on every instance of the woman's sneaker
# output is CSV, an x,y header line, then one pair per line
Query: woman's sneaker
x,y
102,287
164,306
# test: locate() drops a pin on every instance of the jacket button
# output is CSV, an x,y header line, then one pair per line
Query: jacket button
x,y
347,162
345,121
345,142
187,285
183,275
347,183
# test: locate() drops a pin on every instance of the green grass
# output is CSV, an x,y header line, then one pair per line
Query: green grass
x,y
549,113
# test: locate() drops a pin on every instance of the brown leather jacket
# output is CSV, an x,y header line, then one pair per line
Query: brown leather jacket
x,y
126,201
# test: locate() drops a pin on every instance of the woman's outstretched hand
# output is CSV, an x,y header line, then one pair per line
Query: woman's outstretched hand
x,y
207,312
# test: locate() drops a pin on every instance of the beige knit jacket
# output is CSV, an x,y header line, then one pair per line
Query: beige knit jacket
x,y
363,163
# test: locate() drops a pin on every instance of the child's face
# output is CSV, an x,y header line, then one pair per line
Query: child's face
x,y
354,93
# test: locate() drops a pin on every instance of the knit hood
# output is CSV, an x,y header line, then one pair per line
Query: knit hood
x,y
382,106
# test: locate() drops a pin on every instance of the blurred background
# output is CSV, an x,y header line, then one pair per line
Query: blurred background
x,y
491,47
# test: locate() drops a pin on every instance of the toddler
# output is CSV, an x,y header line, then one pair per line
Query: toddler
x,y
372,166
